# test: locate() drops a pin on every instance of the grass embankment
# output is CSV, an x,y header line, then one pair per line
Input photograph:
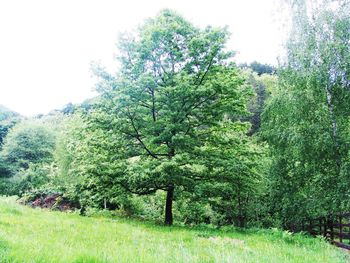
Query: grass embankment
x,y
34,235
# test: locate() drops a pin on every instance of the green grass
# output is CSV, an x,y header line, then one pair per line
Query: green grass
x,y
34,235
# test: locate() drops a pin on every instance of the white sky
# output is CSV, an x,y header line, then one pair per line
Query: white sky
x,y
46,46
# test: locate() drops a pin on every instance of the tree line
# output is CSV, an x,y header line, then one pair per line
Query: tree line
x,y
182,134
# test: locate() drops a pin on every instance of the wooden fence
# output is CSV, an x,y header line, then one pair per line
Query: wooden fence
x,y
335,228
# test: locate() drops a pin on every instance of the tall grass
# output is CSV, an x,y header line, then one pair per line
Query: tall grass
x,y
34,235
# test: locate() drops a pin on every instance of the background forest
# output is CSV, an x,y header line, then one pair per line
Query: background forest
x,y
181,134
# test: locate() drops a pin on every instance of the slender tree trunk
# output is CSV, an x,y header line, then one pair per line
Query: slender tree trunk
x,y
169,206
334,126
240,212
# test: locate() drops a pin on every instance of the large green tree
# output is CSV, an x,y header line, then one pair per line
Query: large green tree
x,y
176,88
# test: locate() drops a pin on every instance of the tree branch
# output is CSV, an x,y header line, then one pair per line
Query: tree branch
x,y
138,136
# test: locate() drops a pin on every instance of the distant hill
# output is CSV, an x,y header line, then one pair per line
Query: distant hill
x,y
71,108
6,113
8,119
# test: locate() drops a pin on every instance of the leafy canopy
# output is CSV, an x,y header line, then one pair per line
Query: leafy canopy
x,y
175,90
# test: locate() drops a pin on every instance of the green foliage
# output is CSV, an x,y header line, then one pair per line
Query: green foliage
x,y
170,128
7,120
28,142
306,120
160,121
31,179
27,155
262,87
67,139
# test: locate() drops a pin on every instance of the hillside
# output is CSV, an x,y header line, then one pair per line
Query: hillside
x,y
8,119
34,235
6,113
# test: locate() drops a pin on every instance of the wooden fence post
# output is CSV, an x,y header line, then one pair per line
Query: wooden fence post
x,y
331,228
348,217
340,229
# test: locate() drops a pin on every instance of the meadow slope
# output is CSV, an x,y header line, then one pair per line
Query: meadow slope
x,y
34,235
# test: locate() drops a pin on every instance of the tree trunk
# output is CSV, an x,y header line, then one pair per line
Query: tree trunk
x,y
240,211
334,126
169,206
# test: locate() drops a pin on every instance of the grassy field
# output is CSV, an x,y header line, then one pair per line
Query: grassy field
x,y
33,235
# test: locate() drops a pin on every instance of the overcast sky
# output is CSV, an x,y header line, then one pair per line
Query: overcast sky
x,y
46,46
